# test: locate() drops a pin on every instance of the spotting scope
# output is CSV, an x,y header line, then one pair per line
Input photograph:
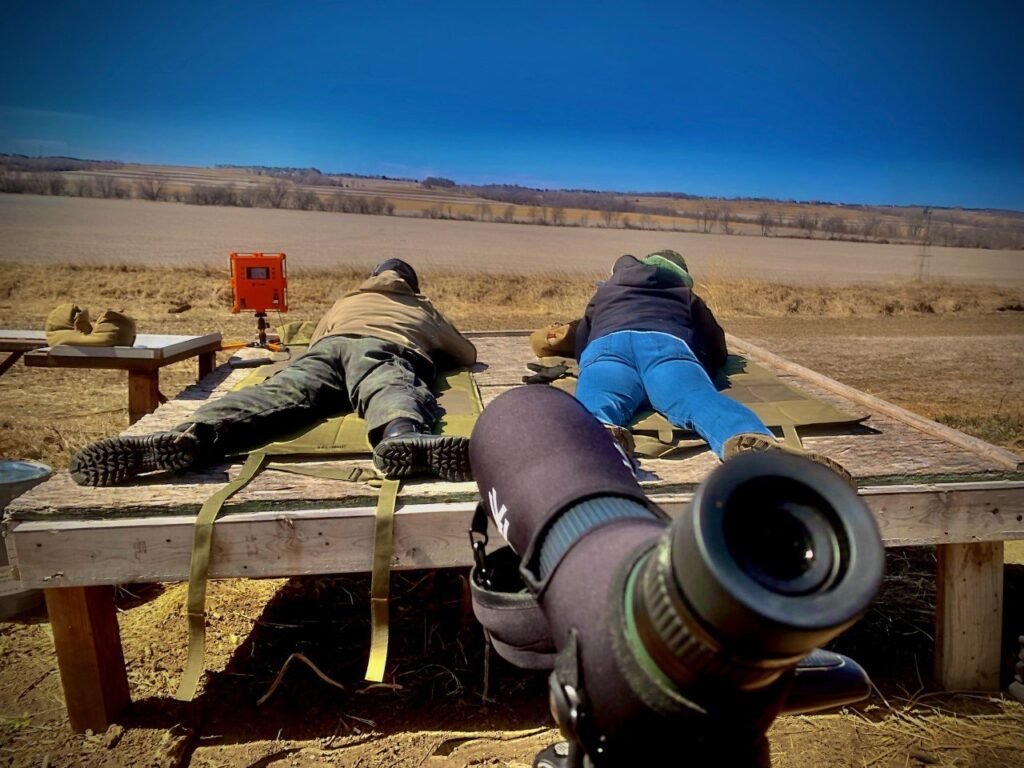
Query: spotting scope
x,y
678,638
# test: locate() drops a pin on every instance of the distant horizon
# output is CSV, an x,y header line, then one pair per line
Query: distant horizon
x,y
681,194
886,102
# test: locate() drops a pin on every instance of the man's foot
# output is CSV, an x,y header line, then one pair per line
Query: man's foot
x,y
116,460
405,451
757,442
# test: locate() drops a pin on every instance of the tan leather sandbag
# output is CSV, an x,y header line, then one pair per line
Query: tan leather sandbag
x,y
556,339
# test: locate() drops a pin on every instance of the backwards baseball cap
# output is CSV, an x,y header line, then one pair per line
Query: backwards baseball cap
x,y
406,272
672,263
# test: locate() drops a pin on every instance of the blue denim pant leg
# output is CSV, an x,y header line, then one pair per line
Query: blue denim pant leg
x,y
679,388
609,385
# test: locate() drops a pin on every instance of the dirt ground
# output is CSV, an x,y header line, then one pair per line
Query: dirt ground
x,y
444,701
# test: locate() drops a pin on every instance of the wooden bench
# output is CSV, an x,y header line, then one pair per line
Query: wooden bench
x,y
926,484
142,361
16,344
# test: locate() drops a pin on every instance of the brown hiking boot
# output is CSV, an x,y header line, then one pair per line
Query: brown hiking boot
x,y
752,441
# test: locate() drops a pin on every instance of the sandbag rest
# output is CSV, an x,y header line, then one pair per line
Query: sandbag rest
x,y
69,325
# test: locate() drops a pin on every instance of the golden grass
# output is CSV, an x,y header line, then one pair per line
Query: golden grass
x,y
479,301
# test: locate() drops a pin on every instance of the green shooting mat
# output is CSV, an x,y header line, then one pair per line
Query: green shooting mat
x,y
341,435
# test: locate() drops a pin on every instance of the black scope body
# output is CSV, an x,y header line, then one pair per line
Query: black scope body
x,y
671,634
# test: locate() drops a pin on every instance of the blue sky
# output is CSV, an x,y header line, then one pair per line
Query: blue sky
x,y
876,102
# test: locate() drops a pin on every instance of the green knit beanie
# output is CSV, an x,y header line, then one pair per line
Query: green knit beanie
x,y
670,263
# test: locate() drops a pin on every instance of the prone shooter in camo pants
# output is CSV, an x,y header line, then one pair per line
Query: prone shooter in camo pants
x,y
375,352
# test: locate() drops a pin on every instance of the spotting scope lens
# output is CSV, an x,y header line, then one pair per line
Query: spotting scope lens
x,y
774,557
792,544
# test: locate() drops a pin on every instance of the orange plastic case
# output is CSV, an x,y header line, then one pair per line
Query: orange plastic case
x,y
259,282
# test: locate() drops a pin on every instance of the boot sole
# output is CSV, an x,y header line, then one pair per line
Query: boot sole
x,y
755,443
446,457
116,460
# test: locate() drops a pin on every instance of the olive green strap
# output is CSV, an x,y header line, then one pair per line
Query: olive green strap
x,y
791,437
255,463
344,474
380,581
649,447
203,538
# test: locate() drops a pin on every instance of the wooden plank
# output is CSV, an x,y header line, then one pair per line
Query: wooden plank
x,y
969,615
119,358
312,541
257,545
88,644
143,394
999,455
11,339
20,345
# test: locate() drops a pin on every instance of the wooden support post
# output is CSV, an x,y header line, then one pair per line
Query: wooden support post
x,y
969,615
88,643
143,393
207,362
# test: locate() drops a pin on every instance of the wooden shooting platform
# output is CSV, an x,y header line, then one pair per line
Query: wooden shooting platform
x,y
926,484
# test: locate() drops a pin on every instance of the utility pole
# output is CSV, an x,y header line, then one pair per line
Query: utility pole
x,y
924,257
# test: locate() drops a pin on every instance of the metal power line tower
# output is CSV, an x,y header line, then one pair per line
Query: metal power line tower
x,y
925,256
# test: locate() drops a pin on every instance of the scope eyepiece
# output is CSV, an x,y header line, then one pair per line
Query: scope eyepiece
x,y
774,556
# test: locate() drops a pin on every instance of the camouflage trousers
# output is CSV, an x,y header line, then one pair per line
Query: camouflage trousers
x,y
380,380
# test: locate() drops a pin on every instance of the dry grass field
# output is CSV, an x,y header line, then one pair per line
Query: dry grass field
x,y
40,229
952,350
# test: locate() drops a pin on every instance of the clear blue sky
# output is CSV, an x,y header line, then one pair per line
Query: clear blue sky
x,y
878,102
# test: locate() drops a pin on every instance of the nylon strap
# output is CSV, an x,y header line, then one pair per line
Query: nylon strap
x,y
380,580
649,447
197,572
791,437
345,475
199,567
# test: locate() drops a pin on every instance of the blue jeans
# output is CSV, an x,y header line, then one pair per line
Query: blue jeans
x,y
623,372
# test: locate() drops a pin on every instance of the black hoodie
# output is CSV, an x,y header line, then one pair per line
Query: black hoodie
x,y
638,298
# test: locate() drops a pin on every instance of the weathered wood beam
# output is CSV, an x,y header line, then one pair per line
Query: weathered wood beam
x,y
143,394
262,544
969,615
88,644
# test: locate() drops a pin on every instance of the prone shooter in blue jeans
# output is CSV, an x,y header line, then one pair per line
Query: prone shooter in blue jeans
x,y
647,338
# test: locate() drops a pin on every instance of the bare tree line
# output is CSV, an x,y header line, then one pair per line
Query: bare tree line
x,y
276,194
942,227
